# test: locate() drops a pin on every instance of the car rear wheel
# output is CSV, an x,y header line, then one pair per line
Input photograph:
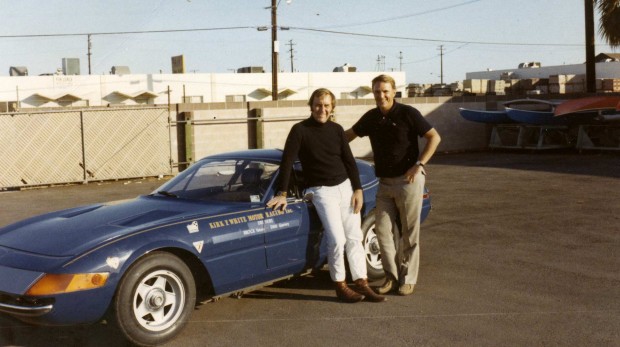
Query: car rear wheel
x,y
371,247
154,299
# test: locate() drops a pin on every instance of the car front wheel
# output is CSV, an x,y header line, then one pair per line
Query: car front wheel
x,y
154,299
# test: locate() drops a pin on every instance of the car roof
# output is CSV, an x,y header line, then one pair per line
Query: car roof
x,y
272,155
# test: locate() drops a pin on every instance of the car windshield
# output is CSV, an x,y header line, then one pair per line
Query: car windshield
x,y
222,180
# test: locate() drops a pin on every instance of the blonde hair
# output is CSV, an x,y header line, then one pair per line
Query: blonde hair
x,y
384,79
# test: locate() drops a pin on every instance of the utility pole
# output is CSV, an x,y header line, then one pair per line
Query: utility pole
x,y
274,50
441,64
400,58
590,64
291,44
89,53
380,62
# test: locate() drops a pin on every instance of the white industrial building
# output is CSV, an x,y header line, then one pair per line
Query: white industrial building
x,y
111,90
607,66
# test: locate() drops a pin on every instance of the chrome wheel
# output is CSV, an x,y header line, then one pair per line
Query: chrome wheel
x,y
154,299
158,300
374,267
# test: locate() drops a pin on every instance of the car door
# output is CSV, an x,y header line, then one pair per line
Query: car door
x,y
293,236
227,192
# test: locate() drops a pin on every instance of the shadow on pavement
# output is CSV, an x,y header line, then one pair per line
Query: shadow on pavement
x,y
605,164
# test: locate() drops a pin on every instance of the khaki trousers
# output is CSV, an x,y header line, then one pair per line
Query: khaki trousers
x,y
396,198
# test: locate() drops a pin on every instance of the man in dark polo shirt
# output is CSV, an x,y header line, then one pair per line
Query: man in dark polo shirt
x,y
393,130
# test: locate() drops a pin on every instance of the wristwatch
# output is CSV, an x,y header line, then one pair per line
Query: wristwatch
x,y
419,163
284,194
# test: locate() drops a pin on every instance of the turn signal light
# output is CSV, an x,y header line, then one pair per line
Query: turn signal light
x,y
65,283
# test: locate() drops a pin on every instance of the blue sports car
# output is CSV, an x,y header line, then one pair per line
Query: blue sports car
x,y
143,264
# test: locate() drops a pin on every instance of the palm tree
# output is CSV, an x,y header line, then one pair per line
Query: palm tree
x,y
609,21
610,30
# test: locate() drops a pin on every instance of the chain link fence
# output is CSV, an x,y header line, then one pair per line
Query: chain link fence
x,y
42,148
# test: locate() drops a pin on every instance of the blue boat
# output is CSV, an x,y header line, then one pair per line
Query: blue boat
x,y
488,117
535,117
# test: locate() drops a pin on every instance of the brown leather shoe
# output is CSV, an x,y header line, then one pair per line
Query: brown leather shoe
x,y
361,286
387,286
345,294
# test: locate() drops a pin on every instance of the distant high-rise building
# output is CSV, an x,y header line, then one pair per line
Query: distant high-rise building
x,y
71,66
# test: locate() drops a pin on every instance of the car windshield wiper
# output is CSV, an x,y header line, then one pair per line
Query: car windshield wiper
x,y
165,193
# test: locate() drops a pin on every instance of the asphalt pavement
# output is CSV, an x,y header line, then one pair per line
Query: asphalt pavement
x,y
520,249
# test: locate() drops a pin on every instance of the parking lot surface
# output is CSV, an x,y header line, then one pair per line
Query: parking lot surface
x,y
521,249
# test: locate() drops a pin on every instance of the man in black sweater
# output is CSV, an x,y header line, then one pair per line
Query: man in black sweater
x,y
331,174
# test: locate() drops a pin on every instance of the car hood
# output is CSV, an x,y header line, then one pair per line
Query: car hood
x,y
73,231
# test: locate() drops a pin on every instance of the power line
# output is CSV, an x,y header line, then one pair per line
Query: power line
x,y
406,15
435,56
300,29
435,40
127,32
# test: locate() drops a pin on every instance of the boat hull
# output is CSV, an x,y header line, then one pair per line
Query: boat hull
x,y
603,104
535,117
487,117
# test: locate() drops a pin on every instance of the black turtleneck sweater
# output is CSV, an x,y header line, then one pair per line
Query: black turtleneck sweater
x,y
324,154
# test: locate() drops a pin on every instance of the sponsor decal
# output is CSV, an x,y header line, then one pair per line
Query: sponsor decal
x,y
250,225
198,245
247,219
113,262
193,227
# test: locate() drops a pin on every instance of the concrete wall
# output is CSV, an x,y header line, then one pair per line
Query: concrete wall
x,y
228,127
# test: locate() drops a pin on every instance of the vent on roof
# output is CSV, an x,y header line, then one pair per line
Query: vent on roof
x,y
120,70
18,71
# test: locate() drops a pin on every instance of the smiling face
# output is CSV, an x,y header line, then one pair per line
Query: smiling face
x,y
384,95
322,108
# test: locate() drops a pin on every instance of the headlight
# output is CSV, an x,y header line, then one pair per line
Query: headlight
x,y
65,283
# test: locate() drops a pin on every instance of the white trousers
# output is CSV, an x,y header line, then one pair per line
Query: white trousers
x,y
342,228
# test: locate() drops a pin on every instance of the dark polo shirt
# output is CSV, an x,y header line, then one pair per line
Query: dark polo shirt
x,y
394,137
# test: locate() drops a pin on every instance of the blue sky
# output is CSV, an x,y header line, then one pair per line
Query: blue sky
x,y
475,35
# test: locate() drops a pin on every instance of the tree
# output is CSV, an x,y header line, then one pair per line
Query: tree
x,y
609,25
610,30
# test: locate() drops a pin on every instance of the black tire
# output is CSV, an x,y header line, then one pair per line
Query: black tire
x,y
374,267
154,299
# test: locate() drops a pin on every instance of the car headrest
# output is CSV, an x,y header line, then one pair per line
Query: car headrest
x,y
251,176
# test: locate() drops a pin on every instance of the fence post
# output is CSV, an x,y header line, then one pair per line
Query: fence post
x,y
82,135
260,130
185,139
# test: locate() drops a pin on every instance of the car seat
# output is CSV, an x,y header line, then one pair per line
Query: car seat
x,y
251,180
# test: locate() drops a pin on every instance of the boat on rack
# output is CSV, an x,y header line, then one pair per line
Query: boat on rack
x,y
534,111
588,104
534,117
590,110
483,116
